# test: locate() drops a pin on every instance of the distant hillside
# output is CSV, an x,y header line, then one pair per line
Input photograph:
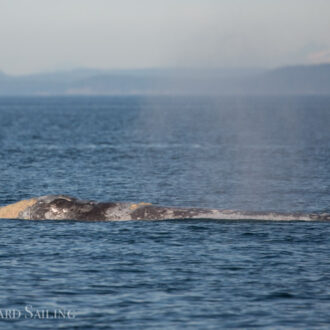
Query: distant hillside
x,y
286,80
313,79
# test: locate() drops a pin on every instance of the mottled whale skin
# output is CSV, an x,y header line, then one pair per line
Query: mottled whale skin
x,y
61,207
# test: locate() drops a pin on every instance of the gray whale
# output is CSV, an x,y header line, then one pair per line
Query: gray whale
x,y
61,207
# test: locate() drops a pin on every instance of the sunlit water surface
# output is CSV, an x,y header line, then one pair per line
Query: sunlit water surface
x,y
248,153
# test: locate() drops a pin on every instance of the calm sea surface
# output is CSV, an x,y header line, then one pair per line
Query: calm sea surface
x,y
247,153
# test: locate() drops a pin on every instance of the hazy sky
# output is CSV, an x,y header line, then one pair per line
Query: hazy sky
x,y
44,35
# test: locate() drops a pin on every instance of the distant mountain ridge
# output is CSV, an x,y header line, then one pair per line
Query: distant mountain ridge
x,y
312,79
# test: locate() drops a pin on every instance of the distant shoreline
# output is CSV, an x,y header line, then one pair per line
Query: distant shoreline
x,y
289,80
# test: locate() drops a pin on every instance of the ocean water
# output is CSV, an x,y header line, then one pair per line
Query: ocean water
x,y
245,153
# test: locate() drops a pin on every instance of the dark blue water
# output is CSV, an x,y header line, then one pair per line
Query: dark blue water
x,y
235,152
